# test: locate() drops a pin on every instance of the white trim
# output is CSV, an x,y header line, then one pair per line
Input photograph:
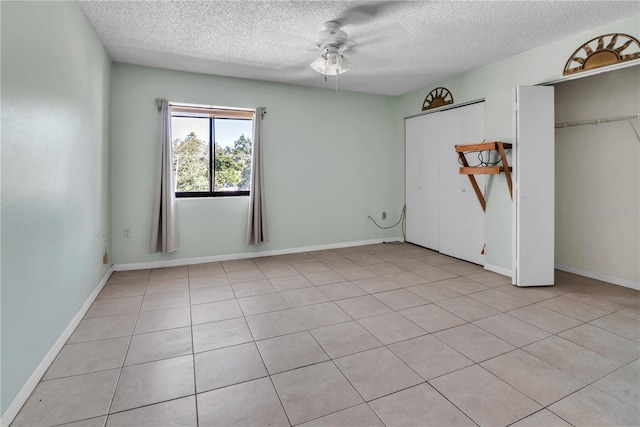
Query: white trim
x,y
34,379
599,276
445,108
207,107
592,72
245,255
500,270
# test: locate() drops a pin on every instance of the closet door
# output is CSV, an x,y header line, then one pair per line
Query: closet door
x,y
422,181
461,215
413,181
451,122
534,186
472,224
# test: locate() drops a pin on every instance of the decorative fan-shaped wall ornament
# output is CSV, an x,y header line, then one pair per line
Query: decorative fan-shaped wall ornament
x,y
438,97
607,49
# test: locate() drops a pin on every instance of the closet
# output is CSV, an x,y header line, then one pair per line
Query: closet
x,y
443,212
597,176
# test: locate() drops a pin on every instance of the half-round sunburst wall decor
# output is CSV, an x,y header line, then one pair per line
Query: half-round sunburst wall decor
x,y
438,97
607,49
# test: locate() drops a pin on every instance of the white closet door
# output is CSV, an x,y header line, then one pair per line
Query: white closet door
x,y
431,183
452,131
472,226
421,186
417,191
461,215
413,183
534,189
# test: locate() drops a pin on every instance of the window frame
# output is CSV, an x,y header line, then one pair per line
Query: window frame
x,y
213,114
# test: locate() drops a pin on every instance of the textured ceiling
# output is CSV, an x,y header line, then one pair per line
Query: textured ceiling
x,y
400,46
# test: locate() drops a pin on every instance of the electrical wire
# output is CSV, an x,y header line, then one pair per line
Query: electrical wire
x,y
481,161
486,162
403,226
634,130
473,166
401,220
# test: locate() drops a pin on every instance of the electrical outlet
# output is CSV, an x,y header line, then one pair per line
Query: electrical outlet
x,y
384,215
127,233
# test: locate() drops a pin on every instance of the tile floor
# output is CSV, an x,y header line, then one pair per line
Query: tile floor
x,y
388,334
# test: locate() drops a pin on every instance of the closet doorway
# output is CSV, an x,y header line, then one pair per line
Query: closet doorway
x,y
597,176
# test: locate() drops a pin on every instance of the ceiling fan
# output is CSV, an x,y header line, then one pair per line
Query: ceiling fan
x,y
332,42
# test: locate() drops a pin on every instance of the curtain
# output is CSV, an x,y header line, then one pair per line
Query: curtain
x,y
257,227
164,234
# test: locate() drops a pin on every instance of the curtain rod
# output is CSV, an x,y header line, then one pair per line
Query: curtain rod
x,y
159,104
597,121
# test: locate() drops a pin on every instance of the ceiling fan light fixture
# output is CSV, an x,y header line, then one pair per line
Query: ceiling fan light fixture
x,y
331,63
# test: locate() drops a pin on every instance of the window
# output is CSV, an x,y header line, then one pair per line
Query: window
x,y
211,150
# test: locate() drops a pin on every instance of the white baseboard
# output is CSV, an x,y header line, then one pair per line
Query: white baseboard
x,y
599,276
15,406
245,255
500,270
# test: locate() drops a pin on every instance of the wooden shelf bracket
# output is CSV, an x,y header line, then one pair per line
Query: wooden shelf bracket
x,y
470,171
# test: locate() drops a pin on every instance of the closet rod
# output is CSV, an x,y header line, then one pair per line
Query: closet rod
x,y
597,121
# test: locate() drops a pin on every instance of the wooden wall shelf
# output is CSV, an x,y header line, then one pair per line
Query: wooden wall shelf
x,y
484,170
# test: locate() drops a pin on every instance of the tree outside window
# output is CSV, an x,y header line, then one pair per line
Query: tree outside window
x,y
197,173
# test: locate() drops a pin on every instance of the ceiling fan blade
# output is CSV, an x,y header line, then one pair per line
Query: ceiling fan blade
x,y
312,48
389,32
363,13
295,68
349,47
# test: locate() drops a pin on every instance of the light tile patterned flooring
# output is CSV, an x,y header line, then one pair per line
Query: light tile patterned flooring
x,y
388,334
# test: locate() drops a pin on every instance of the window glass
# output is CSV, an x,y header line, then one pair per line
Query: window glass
x,y
190,153
211,151
232,162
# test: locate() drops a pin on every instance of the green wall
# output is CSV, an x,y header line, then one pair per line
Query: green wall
x,y
74,170
330,159
494,83
55,178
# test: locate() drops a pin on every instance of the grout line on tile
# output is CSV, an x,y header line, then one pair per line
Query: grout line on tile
x,y
126,353
264,365
343,254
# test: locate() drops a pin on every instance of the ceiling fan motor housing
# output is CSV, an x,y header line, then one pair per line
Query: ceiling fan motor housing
x,y
331,36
